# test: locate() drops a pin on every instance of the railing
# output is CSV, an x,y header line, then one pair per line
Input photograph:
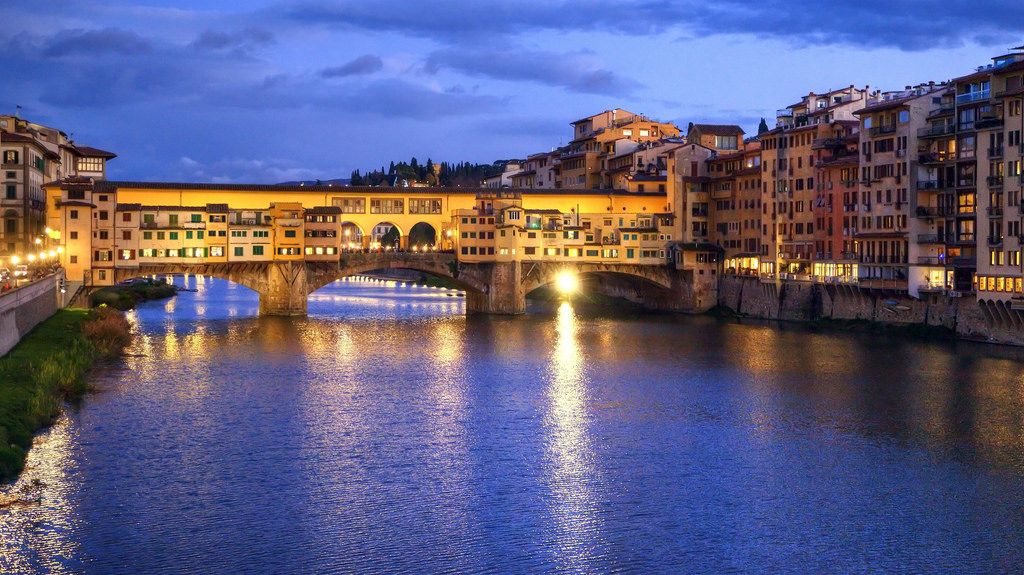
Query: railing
x,y
932,211
931,260
988,123
942,111
996,152
931,287
194,225
930,239
936,158
849,255
995,211
935,131
929,185
995,240
819,143
879,130
972,97
994,180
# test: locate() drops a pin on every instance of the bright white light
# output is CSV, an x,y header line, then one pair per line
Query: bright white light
x,y
566,282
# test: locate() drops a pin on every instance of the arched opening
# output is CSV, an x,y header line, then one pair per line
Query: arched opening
x,y
423,236
388,236
352,237
600,288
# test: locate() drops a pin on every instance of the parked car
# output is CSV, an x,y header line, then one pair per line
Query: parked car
x,y
21,271
5,274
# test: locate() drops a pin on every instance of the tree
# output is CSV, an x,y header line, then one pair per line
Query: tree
x,y
762,127
356,180
390,238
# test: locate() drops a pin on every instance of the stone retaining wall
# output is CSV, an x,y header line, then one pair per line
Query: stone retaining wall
x,y
805,301
23,308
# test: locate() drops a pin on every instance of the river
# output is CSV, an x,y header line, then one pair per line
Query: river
x,y
387,432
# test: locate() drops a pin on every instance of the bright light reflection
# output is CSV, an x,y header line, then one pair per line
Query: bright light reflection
x,y
566,283
574,508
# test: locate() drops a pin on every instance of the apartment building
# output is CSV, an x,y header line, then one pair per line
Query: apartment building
x,y
33,155
988,107
897,250
735,204
836,169
539,171
788,184
594,143
500,229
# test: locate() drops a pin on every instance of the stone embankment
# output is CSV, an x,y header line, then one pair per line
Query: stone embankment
x,y
966,317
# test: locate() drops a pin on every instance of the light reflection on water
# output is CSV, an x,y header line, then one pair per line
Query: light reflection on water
x,y
389,433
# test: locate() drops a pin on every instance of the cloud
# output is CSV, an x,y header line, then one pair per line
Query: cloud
x,y
242,42
361,66
395,98
577,72
108,41
238,170
869,24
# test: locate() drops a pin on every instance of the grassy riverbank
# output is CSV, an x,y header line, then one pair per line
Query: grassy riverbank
x,y
124,297
48,367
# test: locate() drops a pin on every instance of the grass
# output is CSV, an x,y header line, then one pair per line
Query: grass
x,y
124,297
48,367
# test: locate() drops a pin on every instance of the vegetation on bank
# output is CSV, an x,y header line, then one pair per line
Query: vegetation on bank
x,y
125,297
48,367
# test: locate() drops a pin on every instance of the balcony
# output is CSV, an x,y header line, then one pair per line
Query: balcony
x,y
994,181
988,124
972,97
936,158
194,225
848,255
995,212
824,143
931,287
996,152
995,241
881,130
942,111
964,262
936,131
963,240
930,239
931,260
932,211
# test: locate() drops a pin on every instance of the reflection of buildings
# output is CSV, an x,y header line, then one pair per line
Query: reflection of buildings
x,y
32,156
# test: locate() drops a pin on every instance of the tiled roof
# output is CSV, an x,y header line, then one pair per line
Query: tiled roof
x,y
324,210
128,207
719,129
95,152
217,208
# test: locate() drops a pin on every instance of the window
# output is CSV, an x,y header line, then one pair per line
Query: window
x,y
89,164
726,142
161,235
257,250
148,218
73,235
289,233
173,235
11,157
173,219
217,251
904,116
351,205
73,214
387,206
12,191
197,218
126,216
238,252
425,206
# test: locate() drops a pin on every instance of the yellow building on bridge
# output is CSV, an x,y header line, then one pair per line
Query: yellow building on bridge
x,y
108,225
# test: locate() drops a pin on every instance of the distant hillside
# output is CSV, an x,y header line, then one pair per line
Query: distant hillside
x,y
444,174
334,182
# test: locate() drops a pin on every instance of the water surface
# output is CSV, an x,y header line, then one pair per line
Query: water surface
x,y
389,433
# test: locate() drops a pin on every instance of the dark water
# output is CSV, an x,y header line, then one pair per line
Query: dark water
x,y
389,433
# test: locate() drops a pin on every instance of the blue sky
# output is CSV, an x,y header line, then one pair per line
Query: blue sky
x,y
264,91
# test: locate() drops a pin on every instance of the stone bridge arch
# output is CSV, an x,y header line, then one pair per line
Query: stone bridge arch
x,y
440,265
654,287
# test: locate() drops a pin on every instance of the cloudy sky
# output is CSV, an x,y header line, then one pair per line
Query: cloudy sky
x,y
264,91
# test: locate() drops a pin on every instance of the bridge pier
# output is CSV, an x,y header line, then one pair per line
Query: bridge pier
x,y
286,289
505,295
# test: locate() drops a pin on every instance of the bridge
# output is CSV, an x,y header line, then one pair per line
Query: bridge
x,y
491,287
